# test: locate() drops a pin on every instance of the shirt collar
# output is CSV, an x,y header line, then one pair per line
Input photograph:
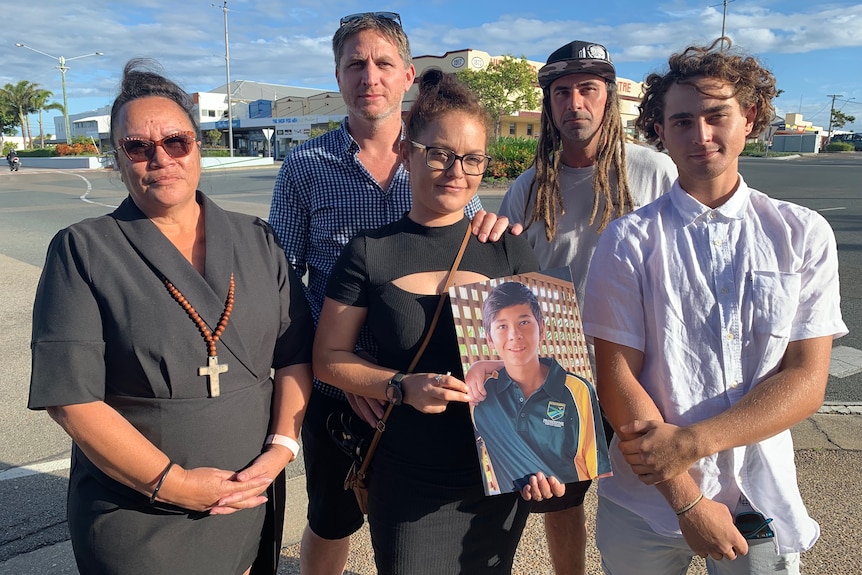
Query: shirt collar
x,y
692,210
347,141
554,382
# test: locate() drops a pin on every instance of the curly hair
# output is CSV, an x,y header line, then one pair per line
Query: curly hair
x,y
611,153
440,94
142,78
753,85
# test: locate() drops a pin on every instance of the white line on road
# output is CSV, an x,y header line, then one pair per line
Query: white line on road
x,y
830,209
89,189
35,469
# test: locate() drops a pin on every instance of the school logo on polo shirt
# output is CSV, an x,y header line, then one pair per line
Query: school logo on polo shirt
x,y
556,412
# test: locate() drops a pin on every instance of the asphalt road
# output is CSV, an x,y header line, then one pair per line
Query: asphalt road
x,y
34,204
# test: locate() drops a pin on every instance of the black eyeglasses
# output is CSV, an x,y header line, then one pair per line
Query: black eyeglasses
x,y
177,145
443,159
394,16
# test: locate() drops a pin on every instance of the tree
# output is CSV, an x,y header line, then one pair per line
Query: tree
x,y
319,131
20,98
840,119
506,86
7,119
212,137
40,104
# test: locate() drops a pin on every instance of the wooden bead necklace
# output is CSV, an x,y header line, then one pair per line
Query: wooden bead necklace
x,y
213,368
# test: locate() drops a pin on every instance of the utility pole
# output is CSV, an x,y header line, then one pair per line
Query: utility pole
x,y
63,69
724,18
227,77
831,113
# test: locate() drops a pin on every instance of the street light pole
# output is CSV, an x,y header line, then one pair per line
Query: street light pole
x,y
63,69
831,113
227,77
724,18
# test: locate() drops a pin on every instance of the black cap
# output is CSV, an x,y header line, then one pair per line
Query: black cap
x,y
577,57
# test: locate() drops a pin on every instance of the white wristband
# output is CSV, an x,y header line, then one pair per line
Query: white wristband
x,y
285,441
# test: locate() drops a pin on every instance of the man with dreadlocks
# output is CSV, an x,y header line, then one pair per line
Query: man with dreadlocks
x,y
713,311
584,175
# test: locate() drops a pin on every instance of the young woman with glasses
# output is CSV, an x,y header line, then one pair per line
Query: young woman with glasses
x,y
427,508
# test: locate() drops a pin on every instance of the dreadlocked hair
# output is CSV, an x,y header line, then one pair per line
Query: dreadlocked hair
x,y
611,153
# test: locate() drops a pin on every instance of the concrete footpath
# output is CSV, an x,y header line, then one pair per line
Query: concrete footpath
x,y
829,461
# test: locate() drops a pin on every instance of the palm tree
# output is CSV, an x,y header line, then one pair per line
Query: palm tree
x,y
40,104
7,118
20,98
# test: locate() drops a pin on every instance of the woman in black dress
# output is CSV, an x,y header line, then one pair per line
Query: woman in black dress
x,y
154,332
427,509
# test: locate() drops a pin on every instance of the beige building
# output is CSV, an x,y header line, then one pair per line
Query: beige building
x,y
525,123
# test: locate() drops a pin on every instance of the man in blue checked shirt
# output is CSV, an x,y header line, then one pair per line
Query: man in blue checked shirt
x,y
327,190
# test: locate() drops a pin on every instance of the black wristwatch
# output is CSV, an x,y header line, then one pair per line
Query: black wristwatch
x,y
394,393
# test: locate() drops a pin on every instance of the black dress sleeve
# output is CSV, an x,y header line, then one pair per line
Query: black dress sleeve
x,y
295,341
348,281
68,347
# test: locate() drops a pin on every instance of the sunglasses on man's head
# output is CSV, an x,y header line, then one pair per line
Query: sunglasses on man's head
x,y
177,145
394,16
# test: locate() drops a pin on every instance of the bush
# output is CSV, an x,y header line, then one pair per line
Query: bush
x,y
77,149
510,157
215,152
840,147
754,149
38,153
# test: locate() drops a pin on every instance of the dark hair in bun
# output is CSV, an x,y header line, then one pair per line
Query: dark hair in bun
x,y
440,94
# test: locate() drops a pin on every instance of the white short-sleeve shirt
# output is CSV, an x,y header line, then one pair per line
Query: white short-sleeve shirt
x,y
712,297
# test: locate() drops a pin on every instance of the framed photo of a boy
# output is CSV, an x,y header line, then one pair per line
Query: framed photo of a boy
x,y
525,358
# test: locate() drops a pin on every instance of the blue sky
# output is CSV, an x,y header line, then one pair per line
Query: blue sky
x,y
812,47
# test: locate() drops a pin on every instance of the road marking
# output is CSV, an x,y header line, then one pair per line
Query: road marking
x,y
845,361
35,469
830,209
89,189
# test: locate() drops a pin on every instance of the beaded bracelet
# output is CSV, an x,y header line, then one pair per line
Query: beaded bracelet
x,y
690,505
161,480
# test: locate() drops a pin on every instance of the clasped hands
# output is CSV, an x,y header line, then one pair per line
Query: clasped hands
x,y
657,451
222,492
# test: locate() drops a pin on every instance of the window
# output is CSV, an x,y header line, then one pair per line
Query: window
x,y
512,129
529,129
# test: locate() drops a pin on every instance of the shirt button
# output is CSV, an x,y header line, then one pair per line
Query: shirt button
x,y
718,243
523,415
520,400
730,336
712,215
724,290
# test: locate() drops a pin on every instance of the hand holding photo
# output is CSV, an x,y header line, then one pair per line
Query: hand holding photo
x,y
528,373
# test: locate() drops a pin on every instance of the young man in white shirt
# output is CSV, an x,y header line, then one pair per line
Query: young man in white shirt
x,y
713,311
